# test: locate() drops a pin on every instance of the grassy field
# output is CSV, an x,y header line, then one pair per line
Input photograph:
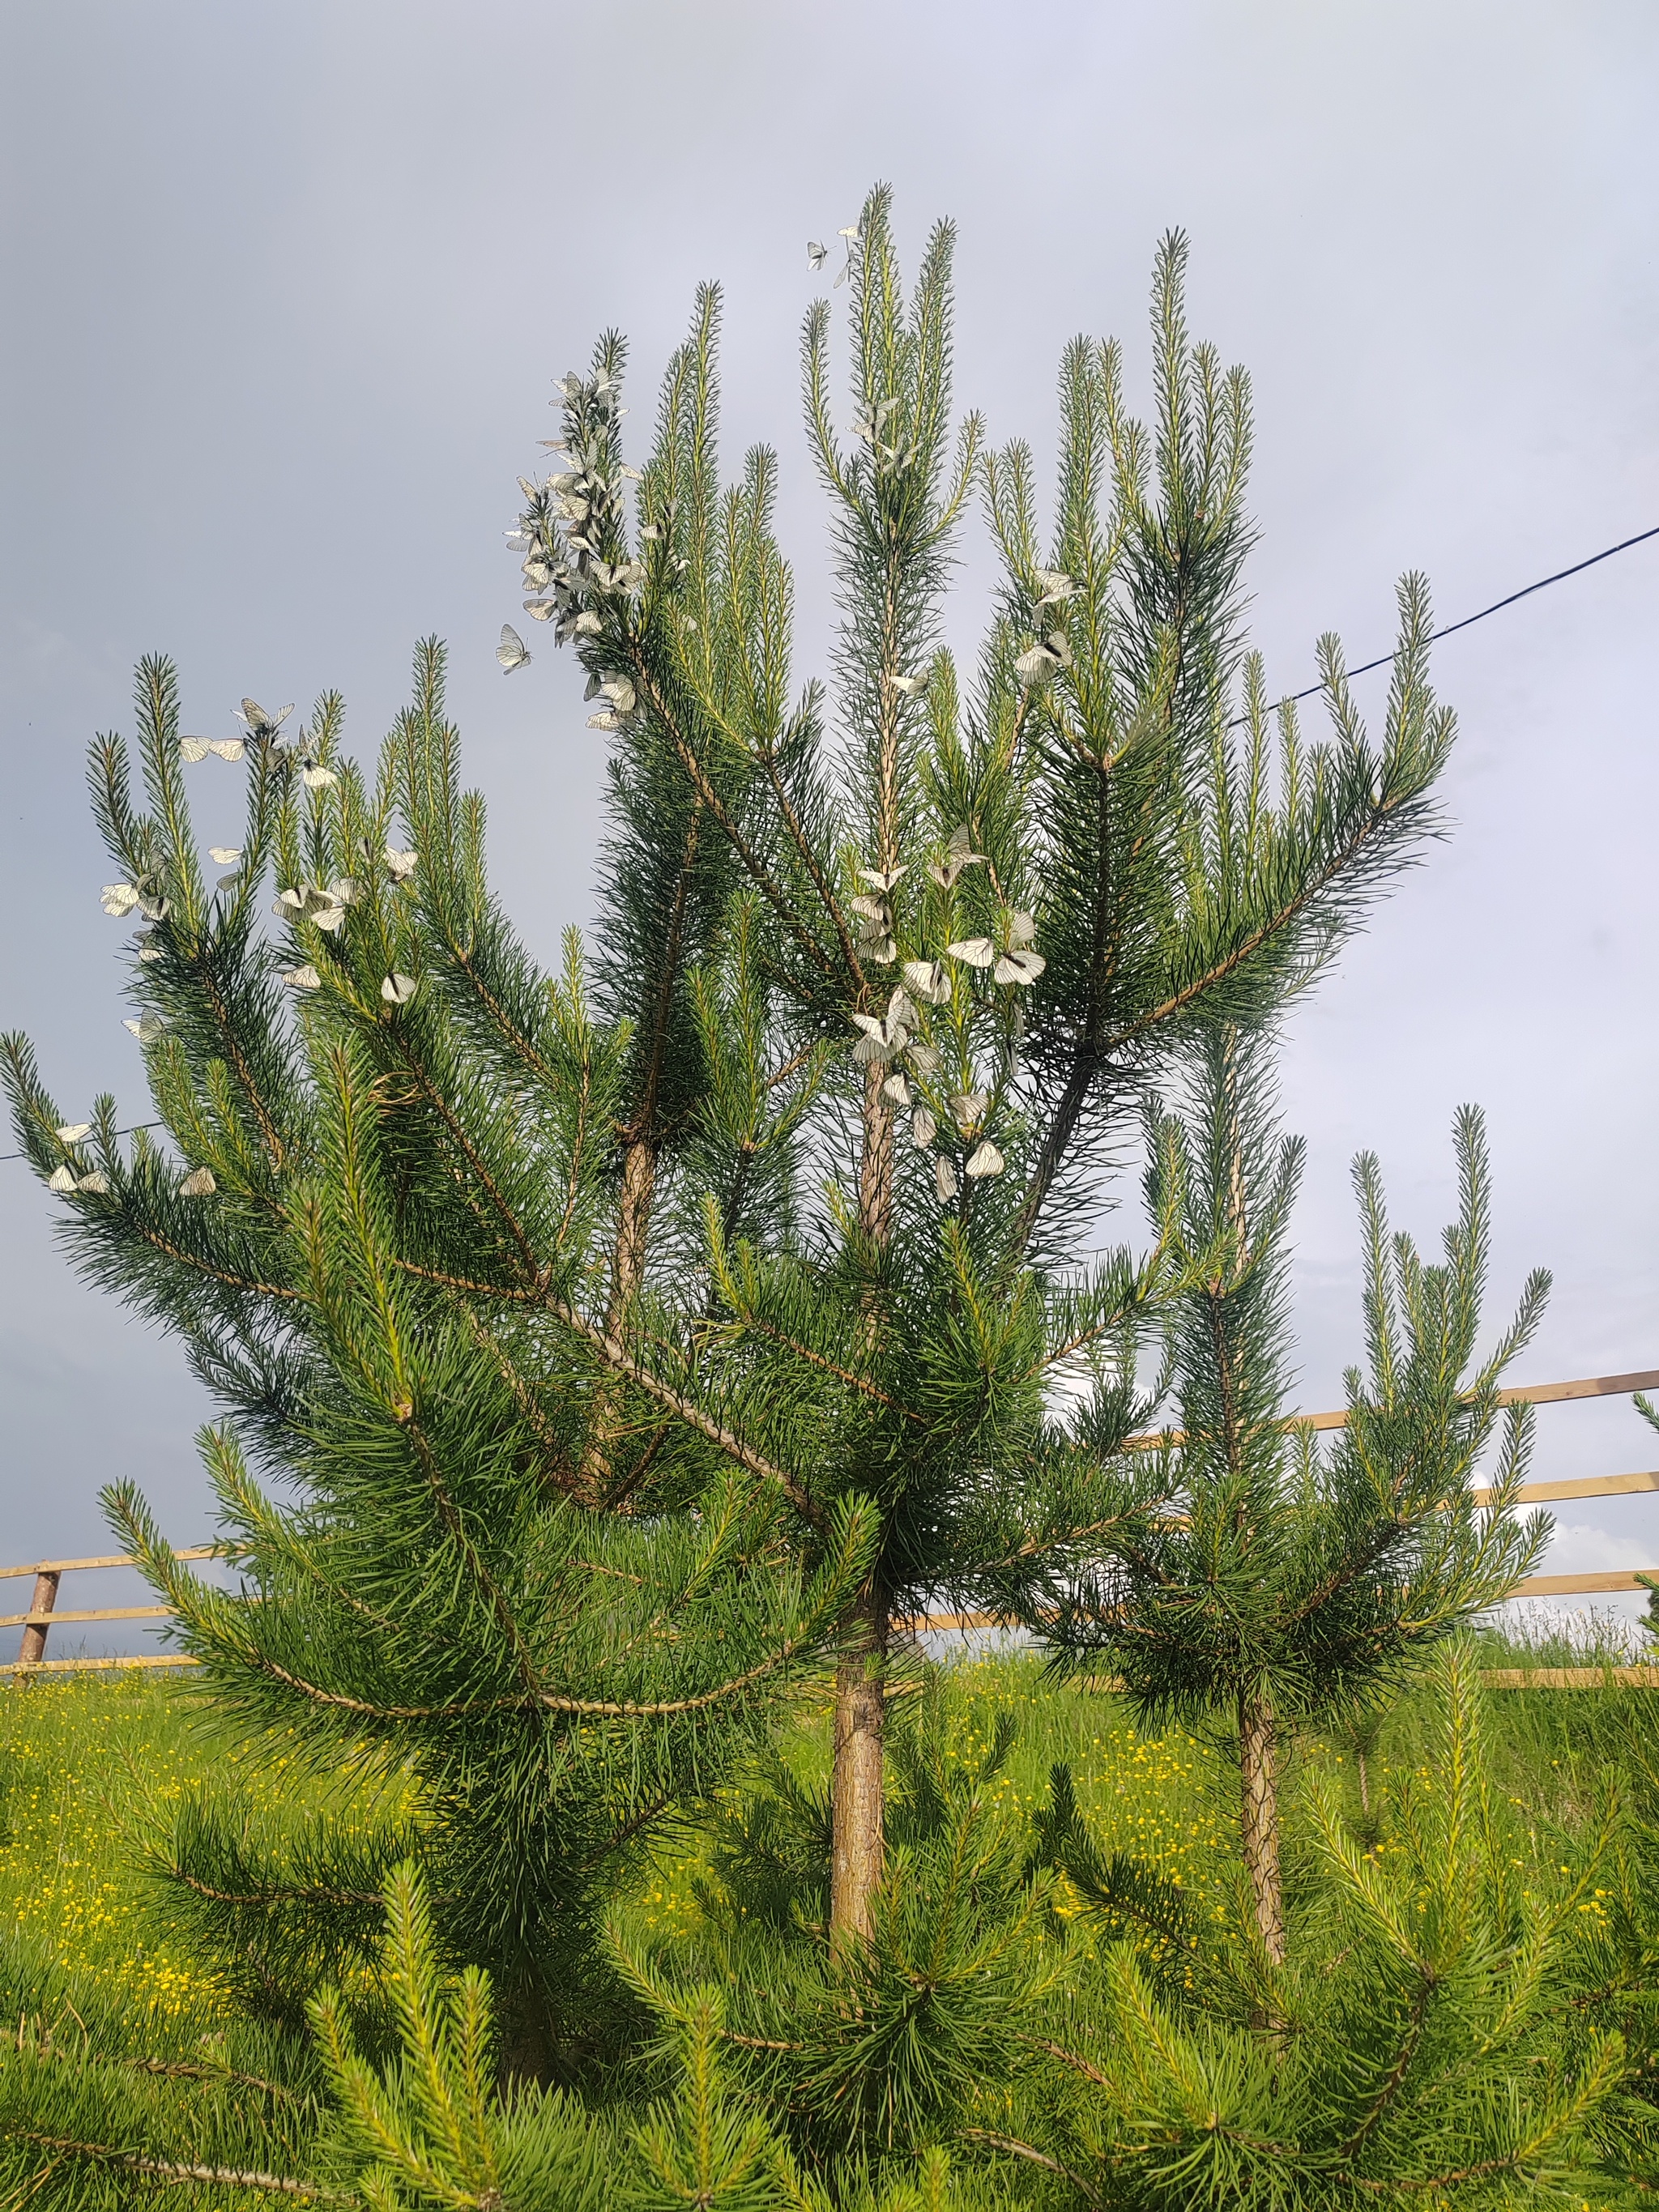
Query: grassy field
x,y
88,1762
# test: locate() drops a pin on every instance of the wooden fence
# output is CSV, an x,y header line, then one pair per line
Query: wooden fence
x,y
44,1613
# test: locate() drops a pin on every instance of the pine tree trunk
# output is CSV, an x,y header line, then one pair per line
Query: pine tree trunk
x,y
859,1844
857,1788
638,1182
1258,1763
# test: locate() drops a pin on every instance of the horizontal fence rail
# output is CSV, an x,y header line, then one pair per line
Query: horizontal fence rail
x,y
43,1611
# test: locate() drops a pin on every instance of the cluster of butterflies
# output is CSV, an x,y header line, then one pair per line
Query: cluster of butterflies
x,y
1014,961
889,1037
1040,662
65,1178
262,729
885,1038
565,523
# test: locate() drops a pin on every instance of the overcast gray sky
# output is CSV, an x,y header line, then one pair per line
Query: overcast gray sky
x,y
285,287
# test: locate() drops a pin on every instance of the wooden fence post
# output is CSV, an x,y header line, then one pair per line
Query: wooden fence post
x,y
35,1635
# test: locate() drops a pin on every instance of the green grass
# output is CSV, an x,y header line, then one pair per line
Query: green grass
x,y
86,1762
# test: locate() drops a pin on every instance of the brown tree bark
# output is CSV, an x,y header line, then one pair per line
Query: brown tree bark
x,y
859,1830
639,1182
1258,1765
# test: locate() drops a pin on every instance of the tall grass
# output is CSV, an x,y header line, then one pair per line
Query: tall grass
x,y
89,1763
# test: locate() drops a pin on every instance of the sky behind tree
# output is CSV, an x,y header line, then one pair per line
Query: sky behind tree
x,y
287,286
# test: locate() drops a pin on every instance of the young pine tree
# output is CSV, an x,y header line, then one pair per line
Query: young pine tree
x,y
386,1239
698,1239
978,919
1286,1585
1438,2034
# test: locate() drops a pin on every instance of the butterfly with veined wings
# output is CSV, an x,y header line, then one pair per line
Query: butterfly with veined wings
x,y
261,724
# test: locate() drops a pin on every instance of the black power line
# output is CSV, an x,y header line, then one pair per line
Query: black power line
x,y
1497,607
1386,661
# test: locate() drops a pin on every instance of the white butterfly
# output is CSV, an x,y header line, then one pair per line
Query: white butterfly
x,y
199,1184
1020,965
226,855
193,749
897,1089
400,864
884,1035
876,881
259,723
985,1160
1055,586
1035,666
97,1182
587,624
972,952
147,1028
72,1132
909,685
923,1059
397,990
603,720
229,749
302,979
928,980
315,777
147,951
958,855
119,899
969,1107
512,652
944,1179
224,883
620,692
60,1179
816,255
329,918
923,1128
